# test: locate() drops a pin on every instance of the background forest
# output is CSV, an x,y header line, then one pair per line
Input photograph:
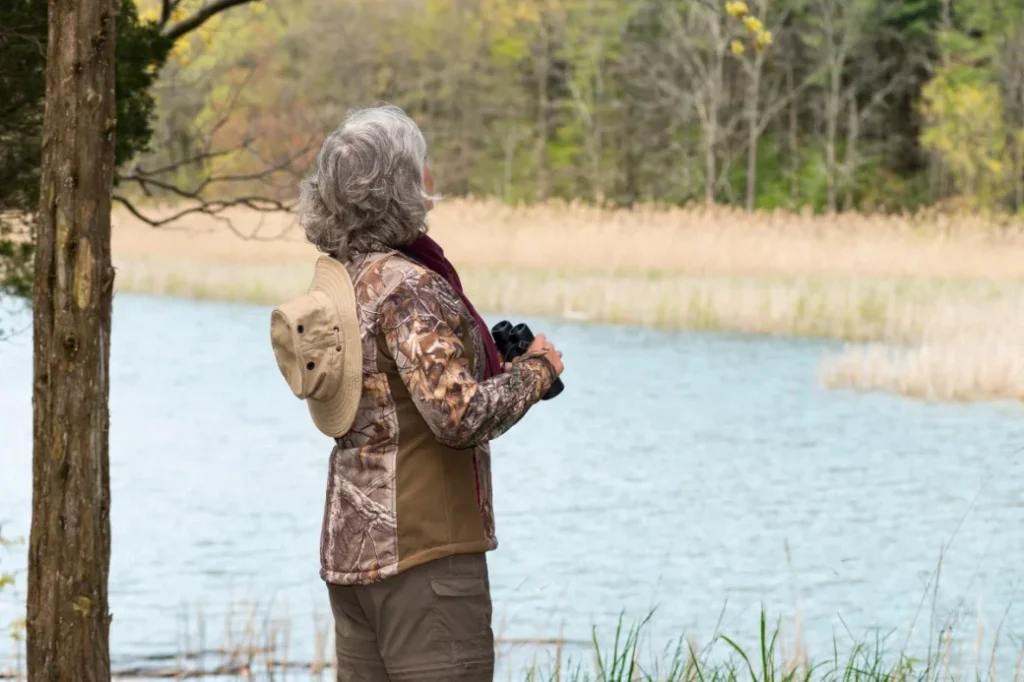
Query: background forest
x,y
858,104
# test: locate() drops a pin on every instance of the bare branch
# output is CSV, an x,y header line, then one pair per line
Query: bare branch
x,y
8,34
210,208
228,107
198,158
194,199
770,112
186,26
198,194
143,177
896,79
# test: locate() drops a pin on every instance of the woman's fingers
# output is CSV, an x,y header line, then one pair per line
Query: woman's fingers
x,y
553,355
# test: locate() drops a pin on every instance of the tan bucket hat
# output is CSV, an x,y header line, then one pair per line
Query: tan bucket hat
x,y
318,348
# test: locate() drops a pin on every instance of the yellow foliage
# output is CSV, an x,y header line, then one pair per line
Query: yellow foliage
x,y
508,14
149,10
736,9
189,49
222,60
965,126
753,26
528,12
192,48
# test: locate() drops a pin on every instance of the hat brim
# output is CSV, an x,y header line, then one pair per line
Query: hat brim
x,y
334,415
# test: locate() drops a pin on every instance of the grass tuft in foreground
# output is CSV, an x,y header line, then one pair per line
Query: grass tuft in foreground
x,y
767,662
257,648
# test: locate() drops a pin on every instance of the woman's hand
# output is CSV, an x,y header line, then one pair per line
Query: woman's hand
x,y
554,356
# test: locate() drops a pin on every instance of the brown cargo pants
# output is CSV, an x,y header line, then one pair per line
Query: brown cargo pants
x,y
430,623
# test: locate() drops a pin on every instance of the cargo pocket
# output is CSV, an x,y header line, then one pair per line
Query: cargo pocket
x,y
462,610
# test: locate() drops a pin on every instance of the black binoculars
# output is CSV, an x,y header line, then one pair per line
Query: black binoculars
x,y
513,342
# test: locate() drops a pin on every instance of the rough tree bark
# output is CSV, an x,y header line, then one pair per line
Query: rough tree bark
x,y
69,548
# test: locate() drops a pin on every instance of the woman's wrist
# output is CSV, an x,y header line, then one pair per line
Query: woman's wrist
x,y
539,359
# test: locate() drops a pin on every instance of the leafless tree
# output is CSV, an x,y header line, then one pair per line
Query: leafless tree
x,y
841,27
692,74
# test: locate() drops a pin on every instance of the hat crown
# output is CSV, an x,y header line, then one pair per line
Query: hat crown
x,y
316,342
306,335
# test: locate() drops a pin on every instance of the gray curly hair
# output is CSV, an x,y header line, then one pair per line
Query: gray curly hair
x,y
366,191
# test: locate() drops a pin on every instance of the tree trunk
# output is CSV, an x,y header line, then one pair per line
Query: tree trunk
x,y
710,171
835,26
753,133
510,152
630,156
688,191
850,161
711,135
543,107
596,138
69,548
794,139
831,137
1018,176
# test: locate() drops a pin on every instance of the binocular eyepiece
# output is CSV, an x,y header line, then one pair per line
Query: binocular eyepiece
x,y
513,341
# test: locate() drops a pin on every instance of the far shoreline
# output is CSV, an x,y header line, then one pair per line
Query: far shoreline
x,y
931,308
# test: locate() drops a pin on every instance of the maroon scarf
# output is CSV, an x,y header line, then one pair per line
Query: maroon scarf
x,y
430,254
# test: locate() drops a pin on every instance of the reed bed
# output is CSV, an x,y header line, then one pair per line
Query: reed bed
x,y
261,651
962,369
935,298
256,643
583,239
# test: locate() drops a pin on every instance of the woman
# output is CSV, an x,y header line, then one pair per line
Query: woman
x,y
408,515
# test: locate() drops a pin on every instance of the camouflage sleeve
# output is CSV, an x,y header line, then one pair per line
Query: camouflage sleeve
x,y
431,359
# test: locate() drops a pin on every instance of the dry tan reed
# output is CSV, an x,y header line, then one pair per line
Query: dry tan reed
x,y
940,294
582,239
963,369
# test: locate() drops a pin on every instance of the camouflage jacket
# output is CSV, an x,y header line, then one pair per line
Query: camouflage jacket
x,y
411,481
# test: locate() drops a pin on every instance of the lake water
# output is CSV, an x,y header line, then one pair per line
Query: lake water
x,y
674,472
